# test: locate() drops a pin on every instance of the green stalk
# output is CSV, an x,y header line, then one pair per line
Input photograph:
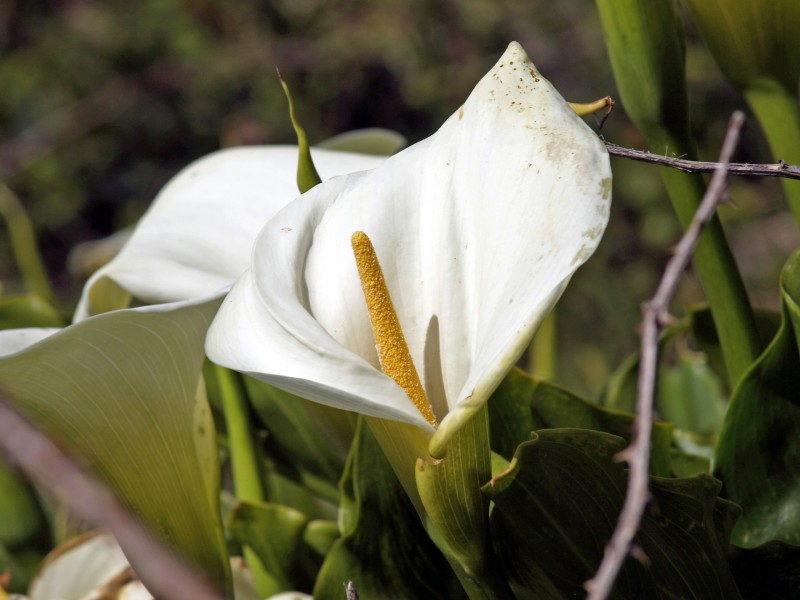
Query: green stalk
x,y
719,275
457,512
23,245
779,115
646,46
543,350
247,480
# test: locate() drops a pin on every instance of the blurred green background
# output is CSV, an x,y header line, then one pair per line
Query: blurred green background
x,y
102,102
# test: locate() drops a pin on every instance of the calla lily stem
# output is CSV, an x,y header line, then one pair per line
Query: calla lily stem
x,y
247,480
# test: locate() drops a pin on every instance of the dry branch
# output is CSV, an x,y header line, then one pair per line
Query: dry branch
x,y
780,169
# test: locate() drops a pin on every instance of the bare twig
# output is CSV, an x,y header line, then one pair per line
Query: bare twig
x,y
159,569
780,169
655,316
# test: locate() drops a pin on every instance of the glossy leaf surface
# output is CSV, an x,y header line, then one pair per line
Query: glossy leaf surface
x,y
557,505
758,453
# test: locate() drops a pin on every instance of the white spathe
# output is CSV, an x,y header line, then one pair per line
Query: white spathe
x,y
478,230
197,236
93,567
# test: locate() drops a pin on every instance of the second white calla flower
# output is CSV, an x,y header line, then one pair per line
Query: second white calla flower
x,y
197,236
478,229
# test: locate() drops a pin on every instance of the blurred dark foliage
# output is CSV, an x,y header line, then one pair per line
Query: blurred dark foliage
x,y
101,102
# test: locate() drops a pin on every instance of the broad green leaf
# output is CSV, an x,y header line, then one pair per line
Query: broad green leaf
x,y
383,545
758,452
121,390
275,534
768,572
29,310
374,141
557,505
645,42
523,404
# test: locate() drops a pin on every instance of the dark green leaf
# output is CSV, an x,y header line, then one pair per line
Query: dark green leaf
x,y
522,405
558,504
768,572
758,452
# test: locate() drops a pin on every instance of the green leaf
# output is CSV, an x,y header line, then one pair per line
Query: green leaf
x,y
24,533
758,452
646,45
383,548
691,396
704,333
21,516
374,141
307,176
557,505
755,46
29,310
275,534
320,536
122,391
522,405
768,572
309,436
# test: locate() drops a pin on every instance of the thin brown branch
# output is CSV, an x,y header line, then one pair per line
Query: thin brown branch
x,y
655,316
780,169
159,569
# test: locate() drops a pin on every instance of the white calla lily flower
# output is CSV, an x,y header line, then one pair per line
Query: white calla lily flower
x,y
478,230
93,567
197,236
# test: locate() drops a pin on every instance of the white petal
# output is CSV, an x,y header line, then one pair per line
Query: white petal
x,y
478,230
197,236
77,568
